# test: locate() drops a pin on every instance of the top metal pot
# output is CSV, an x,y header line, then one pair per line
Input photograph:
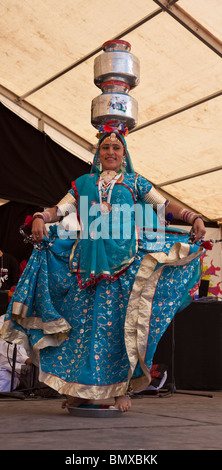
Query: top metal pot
x,y
117,65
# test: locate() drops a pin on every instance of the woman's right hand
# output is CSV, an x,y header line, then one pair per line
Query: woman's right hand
x,y
39,230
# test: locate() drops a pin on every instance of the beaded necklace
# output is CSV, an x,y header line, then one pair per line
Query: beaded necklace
x,y
106,183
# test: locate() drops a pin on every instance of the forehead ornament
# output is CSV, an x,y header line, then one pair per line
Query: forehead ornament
x,y
112,138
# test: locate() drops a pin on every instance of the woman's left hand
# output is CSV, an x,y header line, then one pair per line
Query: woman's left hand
x,y
199,229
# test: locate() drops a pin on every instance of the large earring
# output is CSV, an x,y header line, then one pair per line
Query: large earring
x,y
123,164
99,165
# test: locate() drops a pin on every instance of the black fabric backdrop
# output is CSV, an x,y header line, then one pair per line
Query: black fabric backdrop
x,y
34,169
35,172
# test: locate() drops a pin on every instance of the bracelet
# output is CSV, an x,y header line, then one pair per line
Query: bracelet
x,y
197,217
38,216
189,216
45,216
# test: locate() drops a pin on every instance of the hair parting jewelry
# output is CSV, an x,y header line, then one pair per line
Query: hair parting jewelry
x,y
113,139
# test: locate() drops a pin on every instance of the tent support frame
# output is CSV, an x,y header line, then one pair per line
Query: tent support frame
x,y
191,25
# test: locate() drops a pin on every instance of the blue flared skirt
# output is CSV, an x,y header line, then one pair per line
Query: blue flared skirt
x,y
94,342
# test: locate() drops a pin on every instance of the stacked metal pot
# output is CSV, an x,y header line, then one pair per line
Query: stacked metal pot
x,y
116,72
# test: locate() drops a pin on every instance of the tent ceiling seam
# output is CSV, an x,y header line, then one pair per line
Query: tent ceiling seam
x,y
194,175
177,111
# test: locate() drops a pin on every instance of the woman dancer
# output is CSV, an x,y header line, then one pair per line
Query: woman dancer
x,y
92,309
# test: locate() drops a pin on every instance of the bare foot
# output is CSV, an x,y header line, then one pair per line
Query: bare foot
x,y
74,401
122,402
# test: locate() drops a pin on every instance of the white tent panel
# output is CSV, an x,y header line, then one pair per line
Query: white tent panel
x,y
69,97
179,146
176,68
41,38
170,78
207,186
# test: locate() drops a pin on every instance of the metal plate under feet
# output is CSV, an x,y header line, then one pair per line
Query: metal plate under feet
x,y
94,411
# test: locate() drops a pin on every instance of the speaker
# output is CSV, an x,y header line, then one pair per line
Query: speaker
x,y
197,334
203,289
3,301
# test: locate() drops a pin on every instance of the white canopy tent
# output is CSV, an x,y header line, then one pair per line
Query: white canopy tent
x,y
47,54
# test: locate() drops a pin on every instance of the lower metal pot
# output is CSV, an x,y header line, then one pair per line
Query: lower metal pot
x,y
119,106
